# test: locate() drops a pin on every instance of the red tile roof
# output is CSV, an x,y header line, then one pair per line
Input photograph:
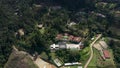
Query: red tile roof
x,y
106,53
66,34
59,36
77,39
71,37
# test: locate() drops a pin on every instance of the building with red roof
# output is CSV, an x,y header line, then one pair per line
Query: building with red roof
x,y
59,36
106,54
66,34
68,37
71,37
77,39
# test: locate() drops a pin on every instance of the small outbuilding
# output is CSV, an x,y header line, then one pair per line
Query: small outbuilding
x,y
21,32
106,54
103,44
40,26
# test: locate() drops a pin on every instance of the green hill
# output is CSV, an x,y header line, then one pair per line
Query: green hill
x,y
20,59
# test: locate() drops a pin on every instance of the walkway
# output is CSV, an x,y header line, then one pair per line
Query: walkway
x,y
91,55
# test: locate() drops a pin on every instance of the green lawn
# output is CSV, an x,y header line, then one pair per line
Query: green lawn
x,y
108,62
94,59
73,66
98,61
85,53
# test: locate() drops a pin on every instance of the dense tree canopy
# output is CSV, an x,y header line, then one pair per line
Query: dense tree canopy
x,y
91,17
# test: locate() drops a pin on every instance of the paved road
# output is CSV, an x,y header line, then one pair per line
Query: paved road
x,y
91,55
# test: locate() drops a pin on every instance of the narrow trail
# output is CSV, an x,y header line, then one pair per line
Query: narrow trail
x,y
91,49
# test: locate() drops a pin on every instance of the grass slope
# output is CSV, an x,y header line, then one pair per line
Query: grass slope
x,y
19,60
97,61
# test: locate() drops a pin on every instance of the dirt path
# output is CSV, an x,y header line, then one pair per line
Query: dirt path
x,y
91,55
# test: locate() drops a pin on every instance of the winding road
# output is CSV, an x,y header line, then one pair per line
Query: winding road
x,y
91,49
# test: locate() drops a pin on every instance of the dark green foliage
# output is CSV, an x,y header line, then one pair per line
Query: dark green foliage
x,y
115,45
17,14
68,55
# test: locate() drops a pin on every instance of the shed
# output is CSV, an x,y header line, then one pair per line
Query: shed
x,y
103,44
71,37
106,54
40,25
59,36
77,39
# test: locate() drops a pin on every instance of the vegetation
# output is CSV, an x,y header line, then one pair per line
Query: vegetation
x,y
97,60
18,60
68,55
91,17
115,46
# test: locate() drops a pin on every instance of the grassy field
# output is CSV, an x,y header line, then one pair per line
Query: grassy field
x,y
94,59
85,53
73,66
108,62
97,60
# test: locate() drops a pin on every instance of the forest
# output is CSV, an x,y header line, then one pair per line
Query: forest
x,y
92,17
116,49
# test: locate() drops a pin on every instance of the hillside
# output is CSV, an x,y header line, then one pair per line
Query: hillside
x,y
32,26
20,59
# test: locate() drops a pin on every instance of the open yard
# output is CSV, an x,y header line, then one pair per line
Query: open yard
x,y
97,60
85,53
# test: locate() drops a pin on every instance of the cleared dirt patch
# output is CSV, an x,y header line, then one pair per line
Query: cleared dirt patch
x,y
42,64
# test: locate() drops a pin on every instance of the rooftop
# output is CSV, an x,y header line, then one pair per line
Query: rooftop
x,y
103,44
106,53
68,37
21,32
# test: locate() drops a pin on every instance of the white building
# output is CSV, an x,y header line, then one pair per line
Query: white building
x,y
73,63
40,25
73,46
63,45
53,46
72,23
